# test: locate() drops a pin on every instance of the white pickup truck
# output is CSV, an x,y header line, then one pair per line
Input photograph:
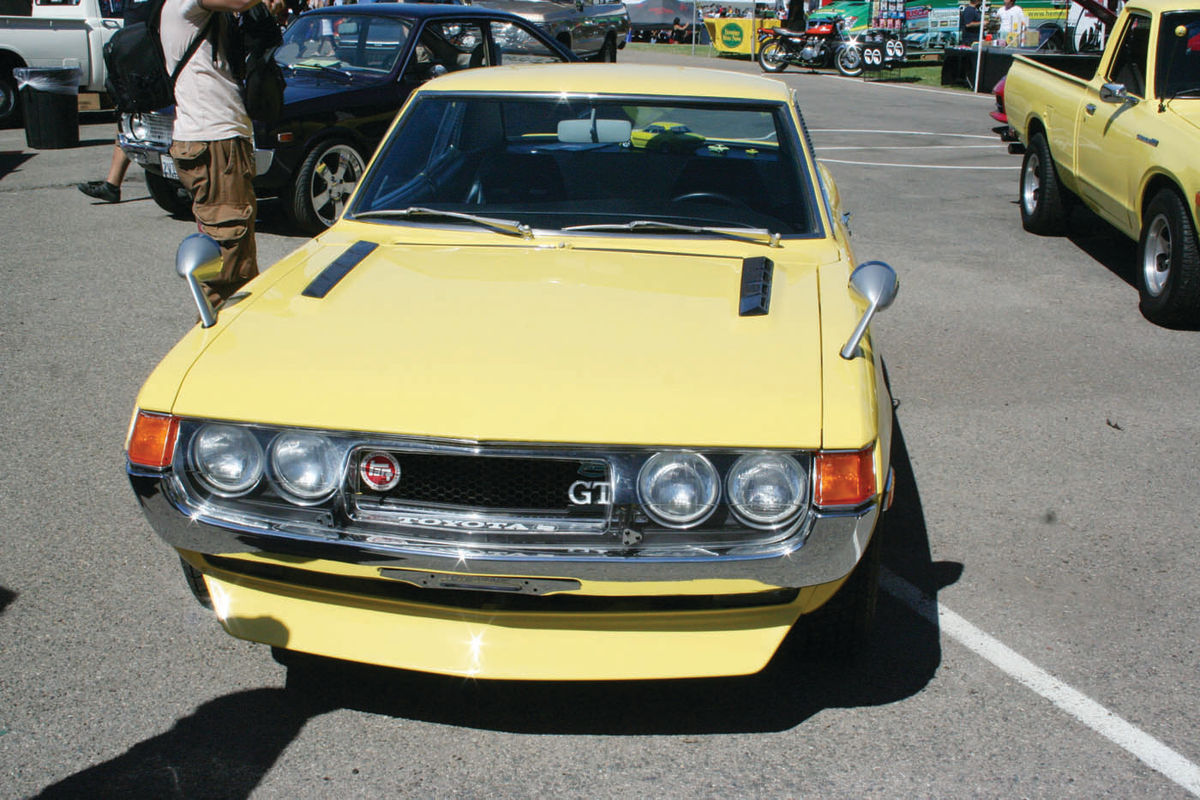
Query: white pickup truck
x,y
58,33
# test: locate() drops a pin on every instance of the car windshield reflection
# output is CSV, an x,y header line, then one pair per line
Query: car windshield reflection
x,y
342,44
563,162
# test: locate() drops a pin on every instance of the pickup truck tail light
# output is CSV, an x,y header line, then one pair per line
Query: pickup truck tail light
x,y
152,442
845,479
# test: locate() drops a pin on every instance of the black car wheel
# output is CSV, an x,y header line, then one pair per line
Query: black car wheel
x,y
770,57
1042,208
608,51
841,629
1169,257
10,100
171,197
326,179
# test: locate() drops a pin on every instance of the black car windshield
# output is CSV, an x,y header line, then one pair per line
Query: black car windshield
x,y
344,43
1179,55
563,162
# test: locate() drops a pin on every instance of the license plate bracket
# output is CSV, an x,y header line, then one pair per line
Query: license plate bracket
x,y
168,168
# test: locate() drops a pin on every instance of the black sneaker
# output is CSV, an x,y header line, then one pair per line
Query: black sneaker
x,y
101,190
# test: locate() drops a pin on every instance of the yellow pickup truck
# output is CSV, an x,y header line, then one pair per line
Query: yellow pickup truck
x,y
1125,143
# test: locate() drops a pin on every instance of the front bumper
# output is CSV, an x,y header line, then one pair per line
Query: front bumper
x,y
591,617
150,154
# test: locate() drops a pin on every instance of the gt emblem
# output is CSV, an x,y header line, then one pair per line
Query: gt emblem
x,y
379,471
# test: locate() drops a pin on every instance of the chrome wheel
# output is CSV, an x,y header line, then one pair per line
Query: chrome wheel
x,y
771,57
337,172
1031,185
1156,256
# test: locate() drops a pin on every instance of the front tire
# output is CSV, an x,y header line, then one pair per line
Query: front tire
x,y
170,197
1043,210
326,179
1169,261
10,99
771,58
849,62
841,629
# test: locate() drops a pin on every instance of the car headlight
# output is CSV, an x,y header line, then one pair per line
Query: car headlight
x,y
766,489
138,127
678,489
228,458
306,466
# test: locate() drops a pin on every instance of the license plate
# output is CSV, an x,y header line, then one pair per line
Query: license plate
x,y
168,168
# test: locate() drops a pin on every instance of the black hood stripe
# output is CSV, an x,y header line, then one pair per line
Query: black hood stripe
x,y
339,269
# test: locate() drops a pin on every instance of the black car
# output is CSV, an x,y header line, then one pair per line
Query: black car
x,y
348,69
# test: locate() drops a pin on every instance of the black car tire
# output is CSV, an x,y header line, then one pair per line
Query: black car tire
x,y
841,629
326,178
1043,206
770,57
849,61
608,52
1169,261
10,99
195,582
169,196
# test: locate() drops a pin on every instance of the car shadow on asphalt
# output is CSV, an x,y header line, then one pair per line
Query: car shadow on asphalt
x,y
1103,243
229,744
6,598
11,162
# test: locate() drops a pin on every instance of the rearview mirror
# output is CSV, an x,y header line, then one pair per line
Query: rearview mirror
x,y
875,282
608,131
199,254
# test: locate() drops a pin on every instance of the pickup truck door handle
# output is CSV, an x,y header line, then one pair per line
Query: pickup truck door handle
x,y
1090,108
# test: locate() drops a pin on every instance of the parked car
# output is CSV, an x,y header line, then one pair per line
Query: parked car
x,y
56,34
542,404
348,69
1119,132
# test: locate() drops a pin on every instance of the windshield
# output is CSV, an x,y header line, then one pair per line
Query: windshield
x,y
1179,55
555,162
344,43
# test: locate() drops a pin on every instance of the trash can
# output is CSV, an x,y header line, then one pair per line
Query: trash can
x,y
50,103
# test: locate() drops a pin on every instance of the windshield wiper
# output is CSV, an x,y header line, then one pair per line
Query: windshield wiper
x,y
758,235
502,225
342,73
1184,92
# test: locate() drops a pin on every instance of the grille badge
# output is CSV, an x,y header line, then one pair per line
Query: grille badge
x,y
379,470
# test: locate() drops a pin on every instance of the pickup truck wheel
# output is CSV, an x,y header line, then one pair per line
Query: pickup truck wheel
x,y
841,629
170,197
1169,257
1042,209
771,59
328,175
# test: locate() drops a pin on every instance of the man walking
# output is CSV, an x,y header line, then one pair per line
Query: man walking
x,y
212,146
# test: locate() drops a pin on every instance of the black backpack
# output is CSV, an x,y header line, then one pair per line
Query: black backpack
x,y
137,70
256,40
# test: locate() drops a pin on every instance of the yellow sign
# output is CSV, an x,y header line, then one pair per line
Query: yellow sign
x,y
736,34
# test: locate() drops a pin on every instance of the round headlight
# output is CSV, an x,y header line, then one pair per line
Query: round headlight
x,y
139,127
678,489
766,489
228,458
306,466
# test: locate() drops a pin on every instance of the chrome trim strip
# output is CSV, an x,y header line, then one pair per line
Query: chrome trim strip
x,y
829,549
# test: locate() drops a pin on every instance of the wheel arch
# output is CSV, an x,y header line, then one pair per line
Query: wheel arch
x,y
1152,185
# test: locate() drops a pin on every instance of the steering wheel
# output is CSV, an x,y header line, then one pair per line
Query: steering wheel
x,y
723,199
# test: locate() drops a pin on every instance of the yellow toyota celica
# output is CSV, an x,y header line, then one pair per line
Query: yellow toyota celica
x,y
543,404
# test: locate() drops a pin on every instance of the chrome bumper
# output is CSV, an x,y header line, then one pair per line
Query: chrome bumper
x,y
146,153
832,547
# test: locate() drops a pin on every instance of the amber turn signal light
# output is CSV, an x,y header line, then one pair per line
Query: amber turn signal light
x,y
152,443
845,479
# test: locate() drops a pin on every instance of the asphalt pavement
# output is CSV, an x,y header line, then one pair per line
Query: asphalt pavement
x,y
1037,635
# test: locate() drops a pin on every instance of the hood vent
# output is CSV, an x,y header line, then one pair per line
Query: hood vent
x,y
339,269
756,286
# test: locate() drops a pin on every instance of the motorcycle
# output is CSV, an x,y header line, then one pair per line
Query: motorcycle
x,y
823,44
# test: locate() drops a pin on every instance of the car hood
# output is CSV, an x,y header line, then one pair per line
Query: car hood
x,y
304,86
519,343
532,10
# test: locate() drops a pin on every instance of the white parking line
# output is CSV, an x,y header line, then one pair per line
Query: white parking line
x,y
915,147
972,167
904,133
1095,716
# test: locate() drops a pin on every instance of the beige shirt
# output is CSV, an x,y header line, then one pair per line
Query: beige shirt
x,y
208,100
